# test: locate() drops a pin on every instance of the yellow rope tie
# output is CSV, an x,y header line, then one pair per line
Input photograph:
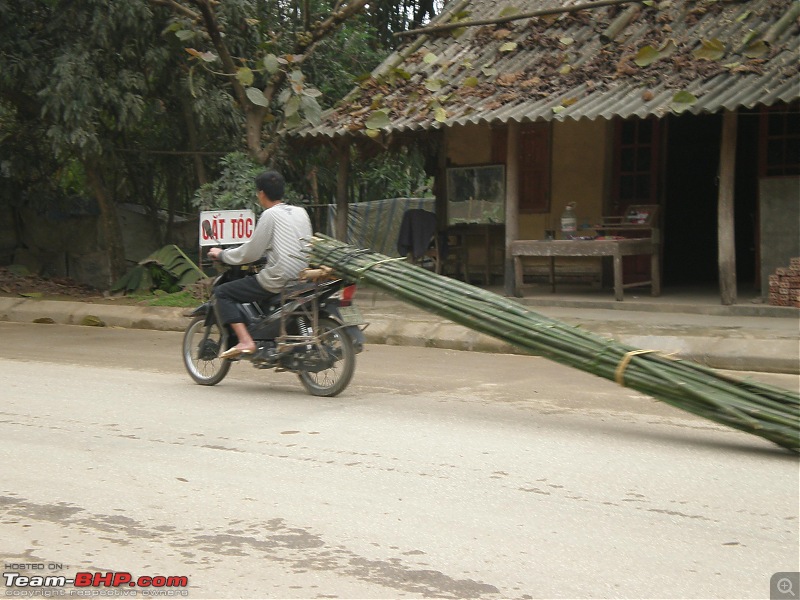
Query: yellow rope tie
x,y
619,374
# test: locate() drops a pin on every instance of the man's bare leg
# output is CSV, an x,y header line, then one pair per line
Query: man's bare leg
x,y
246,344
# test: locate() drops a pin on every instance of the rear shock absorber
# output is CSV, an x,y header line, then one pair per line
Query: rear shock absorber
x,y
304,329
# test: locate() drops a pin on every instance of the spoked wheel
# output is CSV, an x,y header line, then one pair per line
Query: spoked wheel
x,y
337,347
201,352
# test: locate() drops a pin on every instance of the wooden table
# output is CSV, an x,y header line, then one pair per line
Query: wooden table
x,y
614,248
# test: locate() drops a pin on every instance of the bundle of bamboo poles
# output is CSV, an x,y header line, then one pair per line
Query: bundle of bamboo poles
x,y
762,410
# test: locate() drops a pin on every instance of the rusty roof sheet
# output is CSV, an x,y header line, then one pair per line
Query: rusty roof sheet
x,y
699,56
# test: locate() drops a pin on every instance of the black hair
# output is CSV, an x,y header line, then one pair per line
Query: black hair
x,y
272,184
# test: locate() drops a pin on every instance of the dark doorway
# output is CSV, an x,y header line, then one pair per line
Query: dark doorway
x,y
690,203
691,196
746,201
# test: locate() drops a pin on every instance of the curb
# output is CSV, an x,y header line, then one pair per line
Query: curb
x,y
74,313
715,349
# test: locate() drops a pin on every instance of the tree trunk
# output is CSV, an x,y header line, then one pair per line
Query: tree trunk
x,y
109,223
194,144
254,124
171,189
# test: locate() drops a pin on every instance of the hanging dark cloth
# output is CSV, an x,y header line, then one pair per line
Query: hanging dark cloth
x,y
416,232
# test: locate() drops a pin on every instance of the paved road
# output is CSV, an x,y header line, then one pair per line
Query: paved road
x,y
437,474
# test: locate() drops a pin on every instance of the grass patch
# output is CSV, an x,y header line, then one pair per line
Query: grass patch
x,y
182,299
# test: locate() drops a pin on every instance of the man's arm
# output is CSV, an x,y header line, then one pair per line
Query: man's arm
x,y
253,249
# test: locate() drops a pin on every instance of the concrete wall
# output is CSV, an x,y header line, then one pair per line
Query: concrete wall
x,y
579,172
779,217
470,145
71,246
580,152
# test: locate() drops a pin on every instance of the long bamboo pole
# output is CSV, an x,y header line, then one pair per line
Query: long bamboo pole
x,y
769,412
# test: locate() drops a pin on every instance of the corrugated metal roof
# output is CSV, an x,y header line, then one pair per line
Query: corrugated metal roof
x,y
558,67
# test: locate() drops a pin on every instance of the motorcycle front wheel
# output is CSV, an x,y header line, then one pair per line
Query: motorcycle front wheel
x,y
335,344
201,352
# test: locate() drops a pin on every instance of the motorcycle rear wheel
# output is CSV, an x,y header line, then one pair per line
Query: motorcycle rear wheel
x,y
334,380
200,357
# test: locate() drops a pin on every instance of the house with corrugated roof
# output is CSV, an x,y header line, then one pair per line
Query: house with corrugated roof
x,y
688,108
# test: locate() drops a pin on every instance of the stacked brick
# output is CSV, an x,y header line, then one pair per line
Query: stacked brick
x,y
784,285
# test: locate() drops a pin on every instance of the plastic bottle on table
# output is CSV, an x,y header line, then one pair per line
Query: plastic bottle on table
x,y
569,222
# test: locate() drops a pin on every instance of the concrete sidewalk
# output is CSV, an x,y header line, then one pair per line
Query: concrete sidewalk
x,y
745,337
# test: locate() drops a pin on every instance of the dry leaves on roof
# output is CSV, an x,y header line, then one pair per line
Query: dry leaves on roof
x,y
562,55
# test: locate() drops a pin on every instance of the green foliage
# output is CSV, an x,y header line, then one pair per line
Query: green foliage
x,y
392,174
234,188
182,299
264,37
390,16
279,59
162,280
96,81
168,270
351,52
109,82
399,174
298,100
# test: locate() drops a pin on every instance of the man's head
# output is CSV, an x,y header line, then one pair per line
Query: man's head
x,y
272,184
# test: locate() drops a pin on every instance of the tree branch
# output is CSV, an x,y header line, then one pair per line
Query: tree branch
x,y
323,28
516,17
178,8
209,18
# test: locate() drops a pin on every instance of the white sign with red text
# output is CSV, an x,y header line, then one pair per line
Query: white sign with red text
x,y
226,227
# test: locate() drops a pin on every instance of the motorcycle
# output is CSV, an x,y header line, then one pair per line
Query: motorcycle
x,y
312,329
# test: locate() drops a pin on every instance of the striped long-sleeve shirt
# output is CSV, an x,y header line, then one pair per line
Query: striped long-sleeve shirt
x,y
281,236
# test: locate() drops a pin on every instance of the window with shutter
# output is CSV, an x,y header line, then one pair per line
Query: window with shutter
x,y
534,161
779,140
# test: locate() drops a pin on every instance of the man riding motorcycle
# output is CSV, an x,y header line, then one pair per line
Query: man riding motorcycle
x,y
280,236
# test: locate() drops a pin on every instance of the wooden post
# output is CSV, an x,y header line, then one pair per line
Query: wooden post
x,y
725,209
341,191
440,178
512,207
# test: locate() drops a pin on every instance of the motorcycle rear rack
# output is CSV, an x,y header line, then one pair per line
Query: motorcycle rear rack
x,y
307,306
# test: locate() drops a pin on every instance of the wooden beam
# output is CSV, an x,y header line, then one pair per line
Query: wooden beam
x,y
620,23
512,206
789,17
440,177
725,209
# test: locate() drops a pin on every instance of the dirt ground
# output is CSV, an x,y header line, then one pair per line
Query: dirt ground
x,y
25,285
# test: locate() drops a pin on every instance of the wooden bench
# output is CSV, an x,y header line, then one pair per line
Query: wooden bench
x,y
614,248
